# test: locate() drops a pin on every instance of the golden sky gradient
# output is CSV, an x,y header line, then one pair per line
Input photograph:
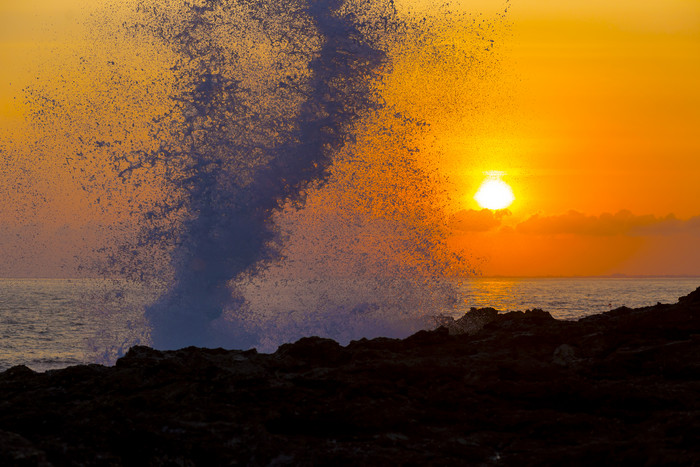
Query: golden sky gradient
x,y
603,117
590,108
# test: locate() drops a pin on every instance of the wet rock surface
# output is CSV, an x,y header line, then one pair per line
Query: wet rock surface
x,y
620,388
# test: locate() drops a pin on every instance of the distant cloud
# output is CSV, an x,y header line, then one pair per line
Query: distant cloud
x,y
621,223
471,220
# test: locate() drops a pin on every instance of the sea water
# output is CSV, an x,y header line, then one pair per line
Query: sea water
x,y
53,323
572,298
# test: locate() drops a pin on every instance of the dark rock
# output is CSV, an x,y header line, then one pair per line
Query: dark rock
x,y
18,451
472,321
692,298
517,388
316,350
18,371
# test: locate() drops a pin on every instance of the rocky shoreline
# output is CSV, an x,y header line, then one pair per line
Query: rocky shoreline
x,y
520,388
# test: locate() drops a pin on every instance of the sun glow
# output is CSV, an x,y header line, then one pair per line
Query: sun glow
x,y
494,193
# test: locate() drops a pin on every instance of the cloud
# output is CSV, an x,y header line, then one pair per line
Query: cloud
x,y
471,220
621,223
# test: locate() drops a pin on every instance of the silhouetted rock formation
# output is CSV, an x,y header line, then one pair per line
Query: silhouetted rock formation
x,y
472,321
620,388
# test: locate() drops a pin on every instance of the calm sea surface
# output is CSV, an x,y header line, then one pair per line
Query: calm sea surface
x,y
54,323
573,298
48,324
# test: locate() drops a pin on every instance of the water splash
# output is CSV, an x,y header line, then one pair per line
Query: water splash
x,y
265,170
236,159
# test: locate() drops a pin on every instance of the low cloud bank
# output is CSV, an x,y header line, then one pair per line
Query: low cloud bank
x,y
471,220
575,223
621,223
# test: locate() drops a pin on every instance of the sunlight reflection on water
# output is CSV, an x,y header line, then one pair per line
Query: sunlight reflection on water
x,y
571,298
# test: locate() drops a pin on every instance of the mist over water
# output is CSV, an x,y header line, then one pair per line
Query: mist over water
x,y
260,171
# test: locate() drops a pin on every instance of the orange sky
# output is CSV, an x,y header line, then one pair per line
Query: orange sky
x,y
603,117
591,108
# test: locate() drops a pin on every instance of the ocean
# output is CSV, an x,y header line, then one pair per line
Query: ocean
x,y
573,298
53,323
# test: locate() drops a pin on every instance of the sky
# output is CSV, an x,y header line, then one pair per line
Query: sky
x,y
589,109
599,142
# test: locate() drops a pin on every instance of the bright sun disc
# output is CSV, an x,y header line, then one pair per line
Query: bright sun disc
x,y
494,194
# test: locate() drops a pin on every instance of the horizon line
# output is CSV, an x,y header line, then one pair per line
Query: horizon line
x,y
475,276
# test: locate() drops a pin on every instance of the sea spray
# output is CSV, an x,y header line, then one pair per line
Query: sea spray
x,y
232,174
251,163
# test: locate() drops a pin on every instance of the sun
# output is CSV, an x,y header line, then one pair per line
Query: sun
x,y
494,193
